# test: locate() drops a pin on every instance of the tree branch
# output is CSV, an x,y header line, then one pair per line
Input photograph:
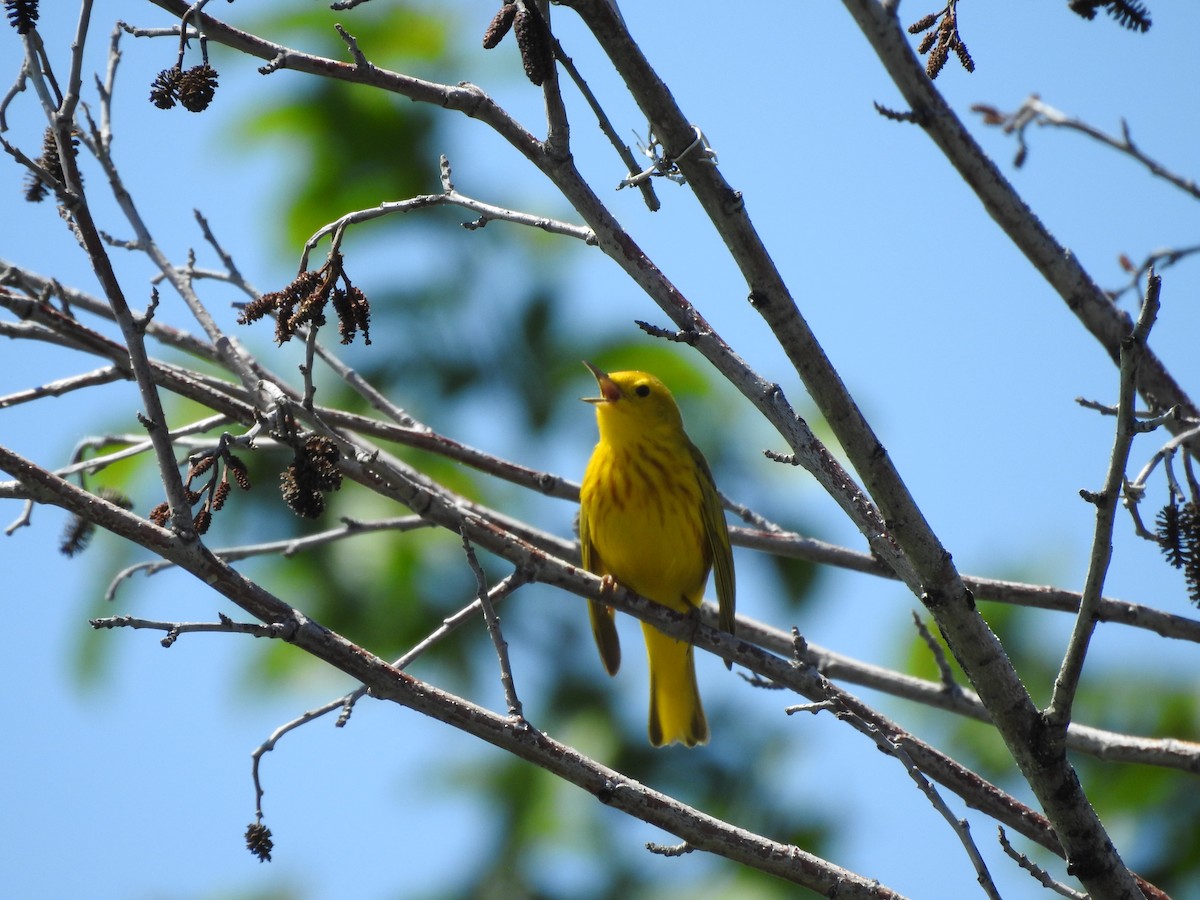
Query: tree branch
x,y
1058,714
384,681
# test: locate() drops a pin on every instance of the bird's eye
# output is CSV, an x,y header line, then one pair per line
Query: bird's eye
x,y
642,390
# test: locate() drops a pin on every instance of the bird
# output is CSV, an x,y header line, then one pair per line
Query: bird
x,y
650,519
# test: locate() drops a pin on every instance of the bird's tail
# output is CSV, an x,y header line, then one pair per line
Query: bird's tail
x,y
675,710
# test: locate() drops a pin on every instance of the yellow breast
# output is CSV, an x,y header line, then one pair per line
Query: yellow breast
x,y
643,507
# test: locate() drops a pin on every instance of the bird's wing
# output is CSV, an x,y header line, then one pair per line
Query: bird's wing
x,y
604,627
717,533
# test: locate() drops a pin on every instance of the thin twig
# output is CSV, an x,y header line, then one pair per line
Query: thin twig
x,y
1113,746
487,212
269,744
646,186
939,656
283,548
232,354
493,628
1040,875
233,274
1157,261
896,750
103,375
175,629
364,388
1036,112
74,200
1058,713
796,546
1165,452
449,624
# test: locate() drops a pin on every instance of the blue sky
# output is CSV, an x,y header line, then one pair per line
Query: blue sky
x,y
964,360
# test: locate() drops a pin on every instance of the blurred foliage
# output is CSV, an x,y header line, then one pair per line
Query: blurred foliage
x,y
353,146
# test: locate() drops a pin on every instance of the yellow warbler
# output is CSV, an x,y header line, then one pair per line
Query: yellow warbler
x,y
650,519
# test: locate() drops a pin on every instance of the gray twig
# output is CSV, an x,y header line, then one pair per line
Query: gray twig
x,y
493,628
939,656
225,625
1041,875
894,748
1058,714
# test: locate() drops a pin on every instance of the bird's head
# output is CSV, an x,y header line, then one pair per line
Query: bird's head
x,y
632,404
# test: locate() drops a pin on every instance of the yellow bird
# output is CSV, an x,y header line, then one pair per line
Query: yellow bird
x,y
650,518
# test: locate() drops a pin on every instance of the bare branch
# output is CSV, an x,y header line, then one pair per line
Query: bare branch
x,y
175,629
1058,714
1035,112
1040,875
493,628
949,685
486,211
63,119
896,750
1168,753
103,375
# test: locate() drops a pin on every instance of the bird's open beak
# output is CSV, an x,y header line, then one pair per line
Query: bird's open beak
x,y
608,388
